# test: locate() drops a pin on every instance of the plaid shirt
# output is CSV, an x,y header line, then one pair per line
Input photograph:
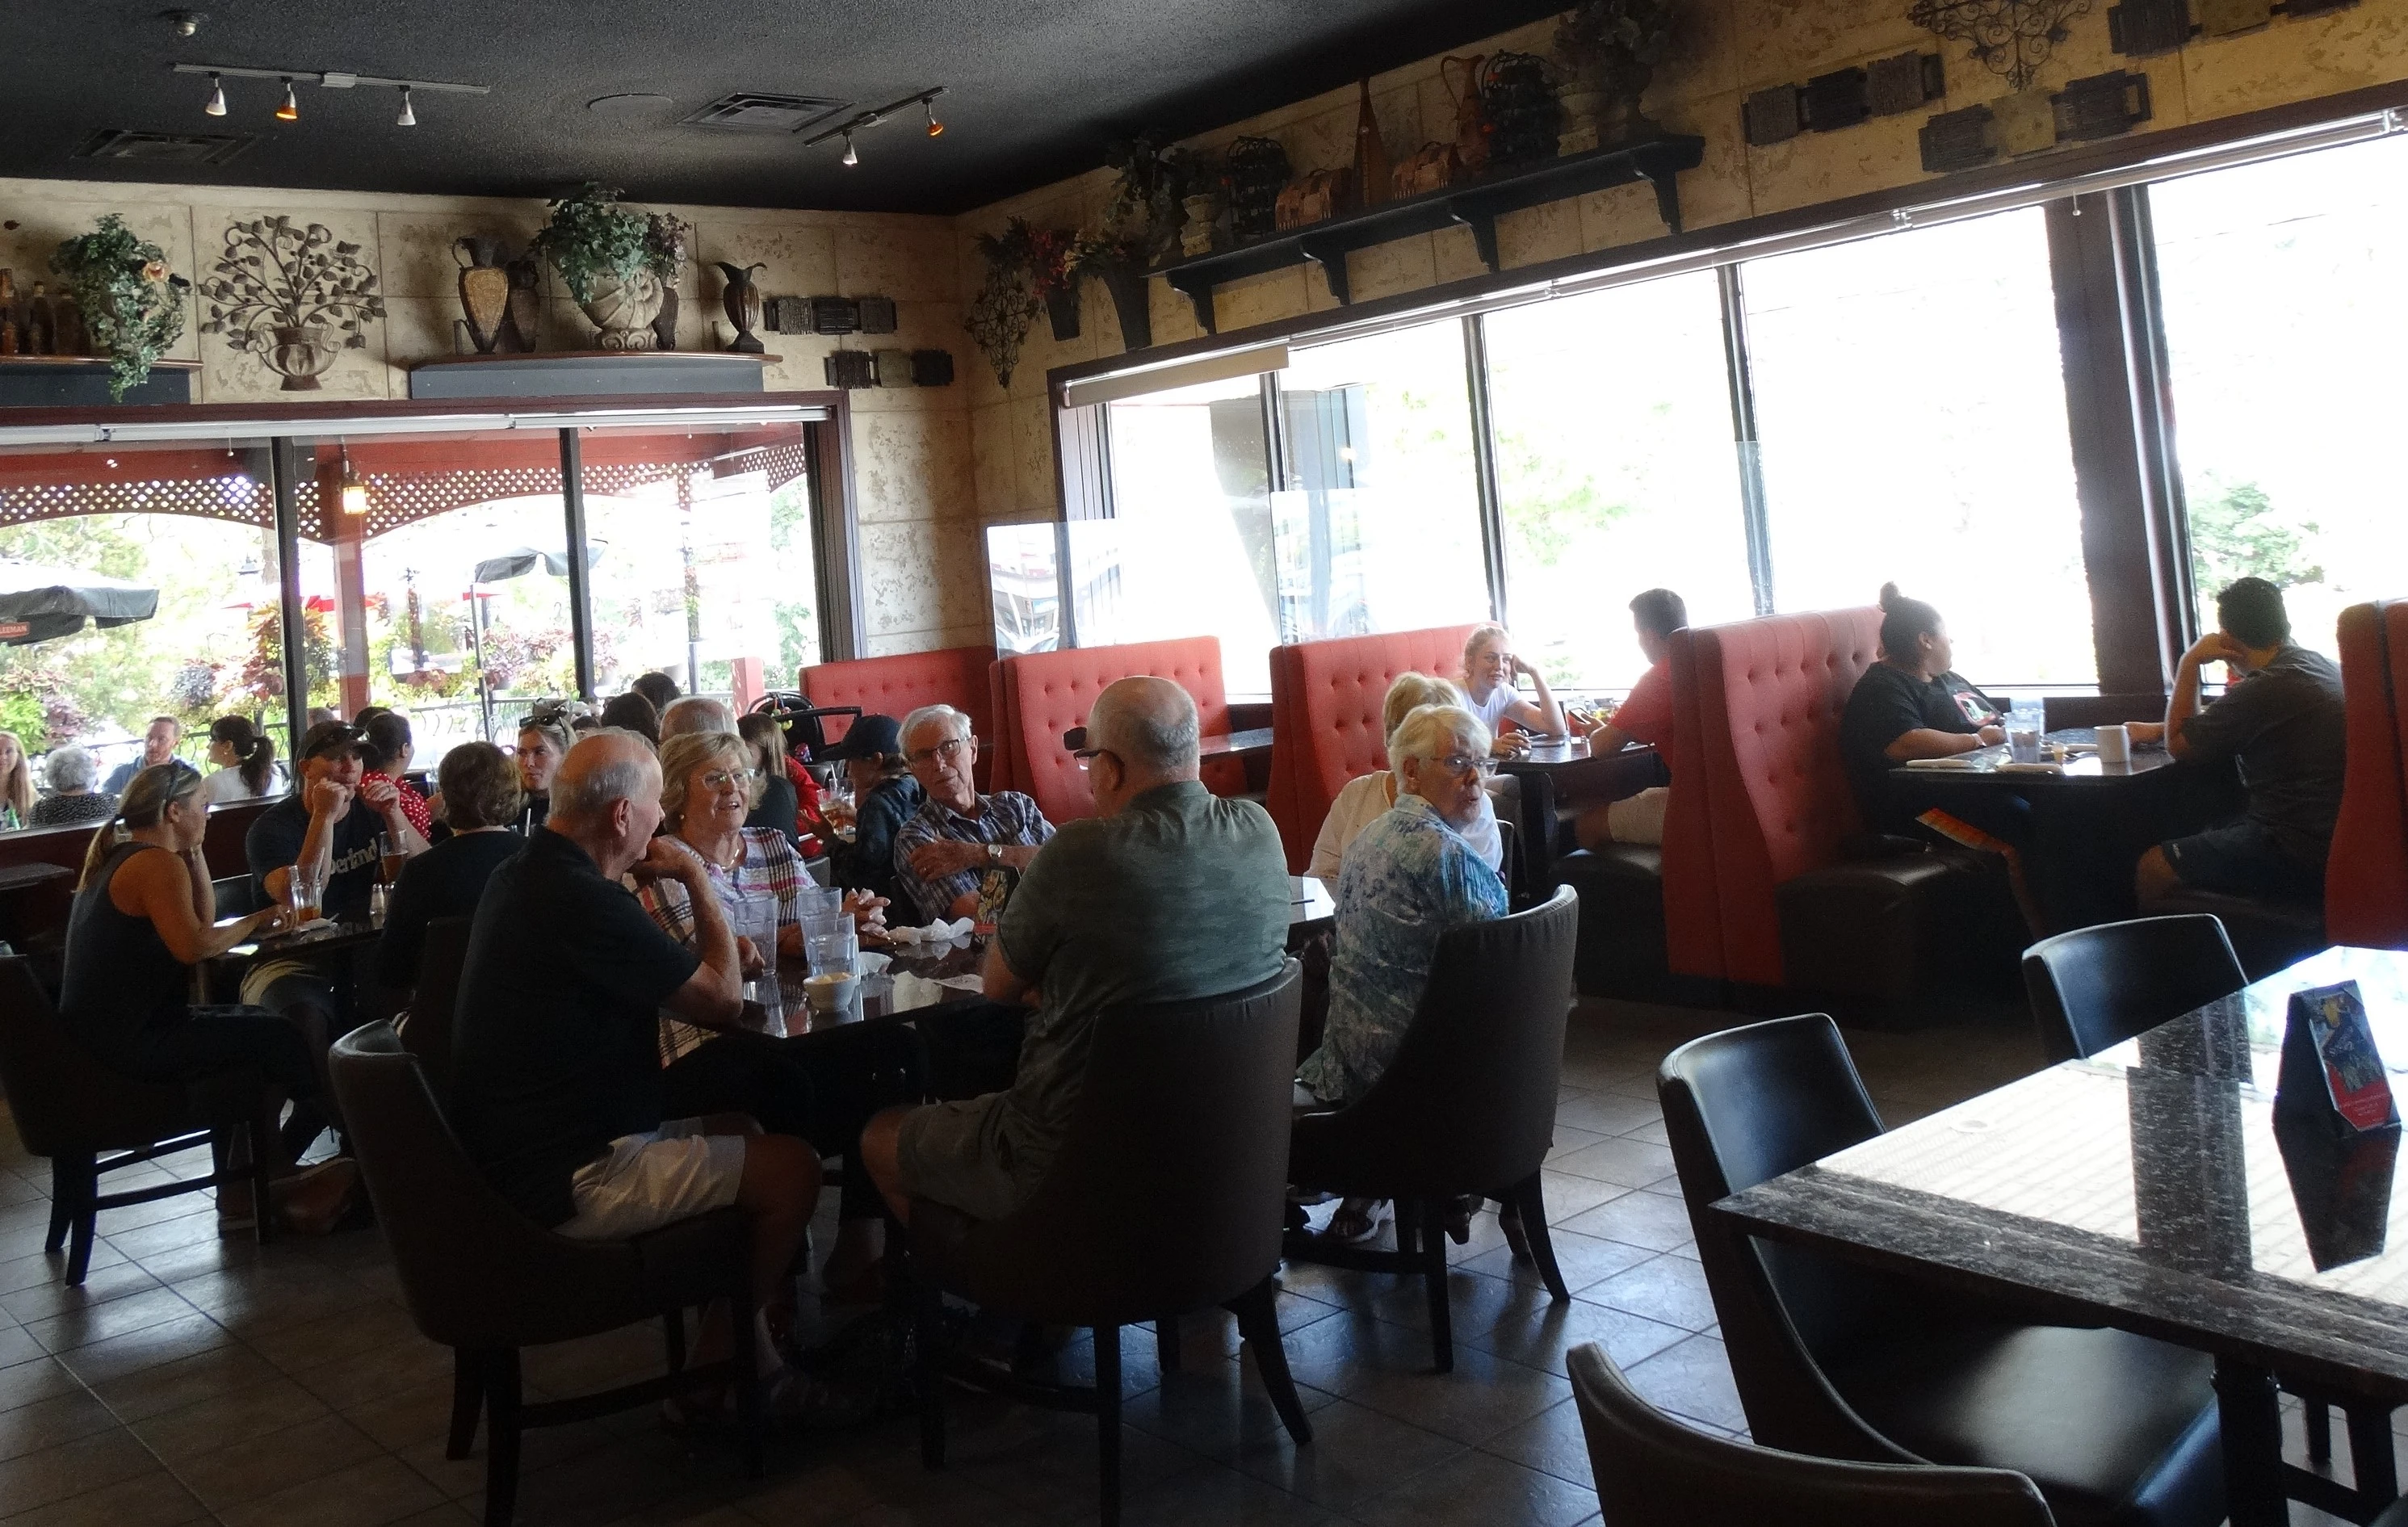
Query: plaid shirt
x,y
1006,817
768,871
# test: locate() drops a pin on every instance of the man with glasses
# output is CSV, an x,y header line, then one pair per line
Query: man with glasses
x,y
959,854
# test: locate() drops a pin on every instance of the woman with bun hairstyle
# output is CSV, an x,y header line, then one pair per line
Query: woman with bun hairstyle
x,y
1911,703
246,762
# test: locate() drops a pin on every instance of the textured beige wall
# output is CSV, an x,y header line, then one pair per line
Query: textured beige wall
x,y
921,563
1731,48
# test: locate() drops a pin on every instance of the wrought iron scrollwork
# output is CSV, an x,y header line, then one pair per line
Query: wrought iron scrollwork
x,y
2009,38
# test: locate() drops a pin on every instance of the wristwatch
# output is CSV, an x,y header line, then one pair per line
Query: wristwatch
x,y
995,853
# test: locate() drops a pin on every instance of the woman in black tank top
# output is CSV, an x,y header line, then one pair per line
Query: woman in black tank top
x,y
144,915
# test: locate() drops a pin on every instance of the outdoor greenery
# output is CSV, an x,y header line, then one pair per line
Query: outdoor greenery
x,y
593,234
133,305
2235,532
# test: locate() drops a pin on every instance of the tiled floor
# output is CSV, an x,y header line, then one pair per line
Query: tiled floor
x,y
194,1379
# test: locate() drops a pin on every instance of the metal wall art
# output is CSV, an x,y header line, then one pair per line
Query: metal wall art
x,y
2009,38
2100,106
1885,88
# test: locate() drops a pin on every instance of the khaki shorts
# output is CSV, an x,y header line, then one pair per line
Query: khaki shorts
x,y
1638,818
649,1180
955,1154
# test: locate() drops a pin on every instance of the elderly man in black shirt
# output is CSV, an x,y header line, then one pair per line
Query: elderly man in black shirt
x,y
2280,719
559,1076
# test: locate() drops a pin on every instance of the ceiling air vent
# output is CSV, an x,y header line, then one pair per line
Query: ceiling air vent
x,y
127,145
751,112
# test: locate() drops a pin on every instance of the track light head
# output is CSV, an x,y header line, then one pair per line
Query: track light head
x,y
852,155
216,105
289,109
936,128
407,118
186,22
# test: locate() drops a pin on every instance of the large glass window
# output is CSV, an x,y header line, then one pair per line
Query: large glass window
x,y
1615,471
2284,307
1910,405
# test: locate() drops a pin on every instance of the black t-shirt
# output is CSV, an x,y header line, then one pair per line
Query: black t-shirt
x,y
274,842
1887,703
446,881
778,807
557,1038
2285,725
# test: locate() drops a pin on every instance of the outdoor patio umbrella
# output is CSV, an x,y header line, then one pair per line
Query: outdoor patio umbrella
x,y
39,603
524,560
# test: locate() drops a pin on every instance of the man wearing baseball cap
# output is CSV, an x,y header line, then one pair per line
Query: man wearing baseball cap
x,y
884,797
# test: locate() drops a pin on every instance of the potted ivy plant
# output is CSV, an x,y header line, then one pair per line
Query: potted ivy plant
x,y
132,304
1609,50
604,251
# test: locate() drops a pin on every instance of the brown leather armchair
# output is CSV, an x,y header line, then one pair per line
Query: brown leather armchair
x,y
69,1107
482,1279
426,1031
1466,1107
1165,1200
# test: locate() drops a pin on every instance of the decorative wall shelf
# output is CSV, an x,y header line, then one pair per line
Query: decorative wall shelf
x,y
582,373
1473,203
79,381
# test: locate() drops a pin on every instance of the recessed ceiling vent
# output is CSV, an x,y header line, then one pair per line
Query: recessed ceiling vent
x,y
127,145
751,112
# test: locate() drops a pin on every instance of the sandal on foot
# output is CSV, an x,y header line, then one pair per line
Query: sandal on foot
x,y
1358,1220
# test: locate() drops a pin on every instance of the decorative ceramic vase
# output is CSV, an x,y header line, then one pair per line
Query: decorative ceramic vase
x,y
1470,124
7,312
1133,300
1197,234
1372,174
485,289
1062,312
522,325
621,312
742,300
664,323
300,356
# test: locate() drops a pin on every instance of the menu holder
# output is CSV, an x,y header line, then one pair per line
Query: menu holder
x,y
2331,1069
2342,1186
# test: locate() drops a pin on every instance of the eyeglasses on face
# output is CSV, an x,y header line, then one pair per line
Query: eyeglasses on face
x,y
1461,763
1087,756
722,778
943,752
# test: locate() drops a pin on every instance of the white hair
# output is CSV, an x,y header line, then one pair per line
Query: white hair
x,y
1434,731
695,713
587,795
1410,692
70,769
955,723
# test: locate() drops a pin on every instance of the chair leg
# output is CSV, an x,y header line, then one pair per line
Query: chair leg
x,y
752,1416
1108,1419
1529,1203
1433,1220
1258,1313
2318,1420
62,1202
83,1187
2374,1474
468,1399
266,1140
927,1320
1166,1343
501,1374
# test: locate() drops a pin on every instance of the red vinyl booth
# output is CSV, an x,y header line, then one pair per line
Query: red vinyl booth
x,y
1326,700
1792,910
1040,696
960,676
2366,878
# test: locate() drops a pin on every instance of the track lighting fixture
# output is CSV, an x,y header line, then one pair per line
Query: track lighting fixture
x,y
186,22
289,109
936,128
216,105
861,121
408,117
852,155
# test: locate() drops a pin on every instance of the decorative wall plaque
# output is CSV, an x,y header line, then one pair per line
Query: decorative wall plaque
x,y
1903,83
932,368
789,315
893,367
835,315
1957,141
2101,107
2223,18
1770,116
2141,28
2298,9
850,368
1832,101
2009,38
877,315
2026,122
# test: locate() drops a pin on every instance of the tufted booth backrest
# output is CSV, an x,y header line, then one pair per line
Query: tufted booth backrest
x,y
1043,694
896,686
1768,697
1326,701
1693,913
2366,877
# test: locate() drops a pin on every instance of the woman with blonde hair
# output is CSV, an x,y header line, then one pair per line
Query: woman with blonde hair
x,y
144,916
1490,670
16,783
1365,799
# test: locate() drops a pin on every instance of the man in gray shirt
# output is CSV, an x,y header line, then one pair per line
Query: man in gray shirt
x,y
1168,893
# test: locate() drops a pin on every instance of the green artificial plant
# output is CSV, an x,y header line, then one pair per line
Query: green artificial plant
x,y
593,235
132,304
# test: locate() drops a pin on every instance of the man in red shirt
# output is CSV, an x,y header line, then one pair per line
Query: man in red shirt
x,y
1645,717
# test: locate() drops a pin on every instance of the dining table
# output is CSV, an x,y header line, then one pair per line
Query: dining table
x,y
2152,1187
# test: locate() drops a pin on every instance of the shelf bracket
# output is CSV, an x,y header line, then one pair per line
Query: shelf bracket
x,y
1198,289
1483,223
1331,257
1665,181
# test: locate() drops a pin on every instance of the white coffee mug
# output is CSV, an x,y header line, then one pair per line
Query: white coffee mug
x,y
2114,745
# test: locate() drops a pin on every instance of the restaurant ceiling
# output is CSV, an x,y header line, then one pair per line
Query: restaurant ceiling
x,y
1034,89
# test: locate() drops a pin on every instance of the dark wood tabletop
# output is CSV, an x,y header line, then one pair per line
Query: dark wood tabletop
x,y
2149,1188
1995,766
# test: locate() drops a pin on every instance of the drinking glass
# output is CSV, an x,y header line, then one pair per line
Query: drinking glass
x,y
308,895
830,952
819,901
757,919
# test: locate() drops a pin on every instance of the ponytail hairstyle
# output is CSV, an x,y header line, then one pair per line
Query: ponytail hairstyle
x,y
1904,624
255,751
148,796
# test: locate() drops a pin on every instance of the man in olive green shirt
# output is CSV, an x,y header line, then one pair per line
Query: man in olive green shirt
x,y
1168,893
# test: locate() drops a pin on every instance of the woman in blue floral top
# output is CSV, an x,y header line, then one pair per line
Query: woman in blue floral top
x,y
1408,879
